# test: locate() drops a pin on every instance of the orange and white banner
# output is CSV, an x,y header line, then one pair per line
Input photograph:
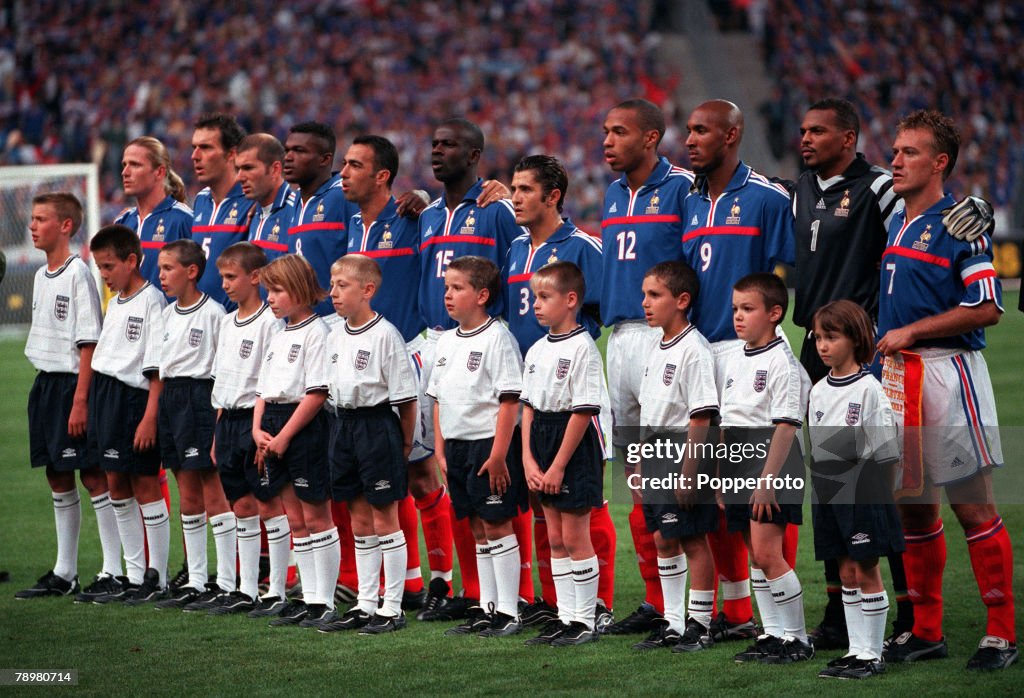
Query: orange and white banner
x,y
902,381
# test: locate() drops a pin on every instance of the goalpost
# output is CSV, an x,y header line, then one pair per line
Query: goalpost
x,y
18,185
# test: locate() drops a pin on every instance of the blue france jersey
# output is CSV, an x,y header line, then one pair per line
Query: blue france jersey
x,y
926,271
745,230
448,234
217,226
270,232
638,230
393,242
319,233
567,244
171,220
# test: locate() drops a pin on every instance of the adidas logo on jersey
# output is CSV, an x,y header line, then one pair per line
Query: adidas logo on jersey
x,y
494,499
68,453
111,453
381,485
613,208
821,204
694,221
192,452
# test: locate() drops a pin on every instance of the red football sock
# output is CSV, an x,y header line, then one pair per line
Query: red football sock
x,y
924,560
465,545
733,568
646,558
347,570
992,561
540,539
408,522
789,545
523,527
604,538
437,532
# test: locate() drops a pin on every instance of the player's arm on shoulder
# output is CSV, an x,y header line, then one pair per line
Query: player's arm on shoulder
x,y
411,203
493,191
969,218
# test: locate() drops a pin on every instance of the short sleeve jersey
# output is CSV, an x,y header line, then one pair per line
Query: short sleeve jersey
x,y
464,230
764,386
171,220
748,228
678,382
567,244
319,232
217,226
926,271
858,404
241,346
393,242
295,362
638,230
65,316
564,373
190,339
472,372
133,331
269,230
369,365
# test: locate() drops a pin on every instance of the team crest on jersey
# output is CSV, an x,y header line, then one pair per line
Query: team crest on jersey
x,y
652,206
232,218
245,348
554,256
821,204
133,330
668,374
275,233
60,307
293,353
760,381
853,413
562,370
921,244
844,205
362,359
734,213
474,360
319,216
470,227
386,243
195,337
158,234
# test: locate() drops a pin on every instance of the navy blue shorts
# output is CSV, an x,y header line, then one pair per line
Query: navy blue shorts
x,y
367,457
305,461
471,493
186,424
582,484
115,411
236,459
857,531
738,512
739,516
49,407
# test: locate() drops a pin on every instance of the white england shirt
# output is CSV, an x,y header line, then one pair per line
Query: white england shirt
x,y
369,365
133,331
241,347
65,316
679,381
190,339
564,373
858,404
764,386
295,362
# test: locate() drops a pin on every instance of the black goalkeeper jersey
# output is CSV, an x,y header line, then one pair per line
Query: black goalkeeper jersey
x,y
840,234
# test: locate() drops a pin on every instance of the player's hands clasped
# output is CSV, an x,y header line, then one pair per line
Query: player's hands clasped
x,y
534,475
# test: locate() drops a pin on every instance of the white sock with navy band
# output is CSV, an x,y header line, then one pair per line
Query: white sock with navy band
x,y
701,605
368,561
485,573
854,620
133,537
307,568
585,574
248,555
193,527
279,539
874,608
327,558
506,568
789,601
67,515
158,536
672,573
565,588
770,620
225,539
110,539
395,554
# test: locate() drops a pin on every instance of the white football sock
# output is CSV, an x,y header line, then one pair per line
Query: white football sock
x,y
194,529
110,539
225,539
248,555
485,573
854,620
789,600
395,553
67,514
158,536
701,605
875,608
327,557
279,538
585,574
307,567
133,537
368,560
504,554
565,588
672,573
770,620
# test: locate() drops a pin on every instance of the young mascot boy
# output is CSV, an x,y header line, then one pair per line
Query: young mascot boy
x,y
186,423
64,332
563,388
370,373
244,337
476,381
763,404
123,412
678,392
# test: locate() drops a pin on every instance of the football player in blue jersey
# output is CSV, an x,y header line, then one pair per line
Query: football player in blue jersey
x,y
258,165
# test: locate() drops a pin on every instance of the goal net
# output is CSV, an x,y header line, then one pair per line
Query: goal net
x,y
18,185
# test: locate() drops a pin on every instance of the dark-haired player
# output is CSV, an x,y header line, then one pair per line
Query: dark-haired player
x,y
258,167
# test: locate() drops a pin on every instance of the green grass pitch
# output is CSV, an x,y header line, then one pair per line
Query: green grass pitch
x,y
134,651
